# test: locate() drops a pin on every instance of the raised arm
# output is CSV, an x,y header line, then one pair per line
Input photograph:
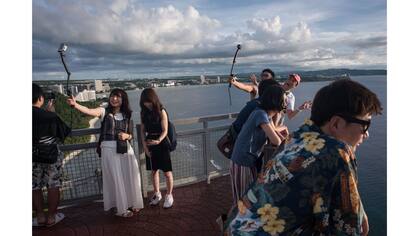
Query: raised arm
x,y
307,105
88,111
249,88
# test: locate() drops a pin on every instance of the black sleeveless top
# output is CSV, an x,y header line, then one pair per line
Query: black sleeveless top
x,y
111,127
152,123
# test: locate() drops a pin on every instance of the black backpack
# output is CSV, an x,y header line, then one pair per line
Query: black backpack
x,y
171,136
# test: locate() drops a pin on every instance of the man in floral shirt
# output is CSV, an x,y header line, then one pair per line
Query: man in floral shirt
x,y
311,187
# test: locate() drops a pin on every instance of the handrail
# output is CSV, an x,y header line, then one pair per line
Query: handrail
x,y
85,131
204,134
203,119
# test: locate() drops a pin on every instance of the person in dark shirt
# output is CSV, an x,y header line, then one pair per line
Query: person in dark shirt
x,y
47,130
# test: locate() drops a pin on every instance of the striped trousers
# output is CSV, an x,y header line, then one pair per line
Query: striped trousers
x,y
241,177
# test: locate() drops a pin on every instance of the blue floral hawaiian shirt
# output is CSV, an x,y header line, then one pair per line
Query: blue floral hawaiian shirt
x,y
310,188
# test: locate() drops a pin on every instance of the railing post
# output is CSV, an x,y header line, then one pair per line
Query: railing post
x,y
142,163
206,149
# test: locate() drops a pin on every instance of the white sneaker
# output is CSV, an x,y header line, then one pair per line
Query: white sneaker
x,y
155,199
169,201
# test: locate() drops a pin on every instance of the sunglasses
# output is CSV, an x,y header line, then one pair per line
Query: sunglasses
x,y
365,123
265,75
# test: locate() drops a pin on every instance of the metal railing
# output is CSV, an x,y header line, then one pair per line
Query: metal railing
x,y
195,159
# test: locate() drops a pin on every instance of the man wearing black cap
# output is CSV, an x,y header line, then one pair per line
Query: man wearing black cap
x,y
252,88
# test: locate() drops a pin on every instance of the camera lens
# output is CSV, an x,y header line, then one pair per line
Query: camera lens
x,y
49,95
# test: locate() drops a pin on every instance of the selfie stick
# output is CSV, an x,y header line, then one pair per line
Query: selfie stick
x,y
62,49
238,47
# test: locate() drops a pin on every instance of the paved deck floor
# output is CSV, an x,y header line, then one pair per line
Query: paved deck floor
x,y
194,212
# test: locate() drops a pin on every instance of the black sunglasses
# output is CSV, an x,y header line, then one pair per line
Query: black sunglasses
x,y
265,75
350,119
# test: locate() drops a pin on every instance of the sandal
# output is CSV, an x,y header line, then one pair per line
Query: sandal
x,y
135,210
36,222
57,218
126,214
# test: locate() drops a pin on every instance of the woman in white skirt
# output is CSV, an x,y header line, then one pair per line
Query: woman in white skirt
x,y
120,170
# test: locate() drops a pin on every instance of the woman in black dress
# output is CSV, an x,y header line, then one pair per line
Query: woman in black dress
x,y
154,130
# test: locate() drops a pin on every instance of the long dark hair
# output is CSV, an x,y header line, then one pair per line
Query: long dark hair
x,y
149,95
125,105
273,99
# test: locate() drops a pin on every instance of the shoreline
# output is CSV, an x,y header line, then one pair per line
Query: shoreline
x,y
92,124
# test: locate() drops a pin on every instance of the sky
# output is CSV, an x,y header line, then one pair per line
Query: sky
x,y
145,39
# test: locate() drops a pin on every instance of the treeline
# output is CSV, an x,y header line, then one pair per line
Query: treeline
x,y
73,117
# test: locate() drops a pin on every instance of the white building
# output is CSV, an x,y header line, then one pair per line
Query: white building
x,y
106,87
58,88
91,95
170,83
98,86
86,95
74,90
203,80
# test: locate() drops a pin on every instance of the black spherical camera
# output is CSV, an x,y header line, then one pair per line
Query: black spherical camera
x,y
49,95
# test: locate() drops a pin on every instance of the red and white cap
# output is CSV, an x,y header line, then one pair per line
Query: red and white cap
x,y
296,77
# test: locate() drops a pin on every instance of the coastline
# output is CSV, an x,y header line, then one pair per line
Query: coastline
x,y
93,123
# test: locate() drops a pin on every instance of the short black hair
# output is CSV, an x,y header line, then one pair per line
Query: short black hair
x,y
273,98
263,85
268,70
36,93
346,97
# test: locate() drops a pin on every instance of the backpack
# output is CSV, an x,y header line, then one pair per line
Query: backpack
x,y
171,136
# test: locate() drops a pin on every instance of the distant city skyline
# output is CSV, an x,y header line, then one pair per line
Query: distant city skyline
x,y
138,39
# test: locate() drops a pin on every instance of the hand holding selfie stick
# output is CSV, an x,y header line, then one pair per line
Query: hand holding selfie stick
x,y
238,47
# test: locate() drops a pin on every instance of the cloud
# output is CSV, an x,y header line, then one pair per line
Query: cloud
x,y
265,27
110,37
123,27
300,33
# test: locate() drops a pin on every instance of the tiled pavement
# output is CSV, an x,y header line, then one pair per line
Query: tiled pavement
x,y
194,212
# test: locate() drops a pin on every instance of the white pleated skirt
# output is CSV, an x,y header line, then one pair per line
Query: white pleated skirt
x,y
121,178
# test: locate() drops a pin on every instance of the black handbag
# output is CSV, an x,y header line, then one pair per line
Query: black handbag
x,y
226,142
122,146
45,153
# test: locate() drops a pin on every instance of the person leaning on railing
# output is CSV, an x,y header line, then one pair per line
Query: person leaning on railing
x,y
252,137
226,142
120,171
311,188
